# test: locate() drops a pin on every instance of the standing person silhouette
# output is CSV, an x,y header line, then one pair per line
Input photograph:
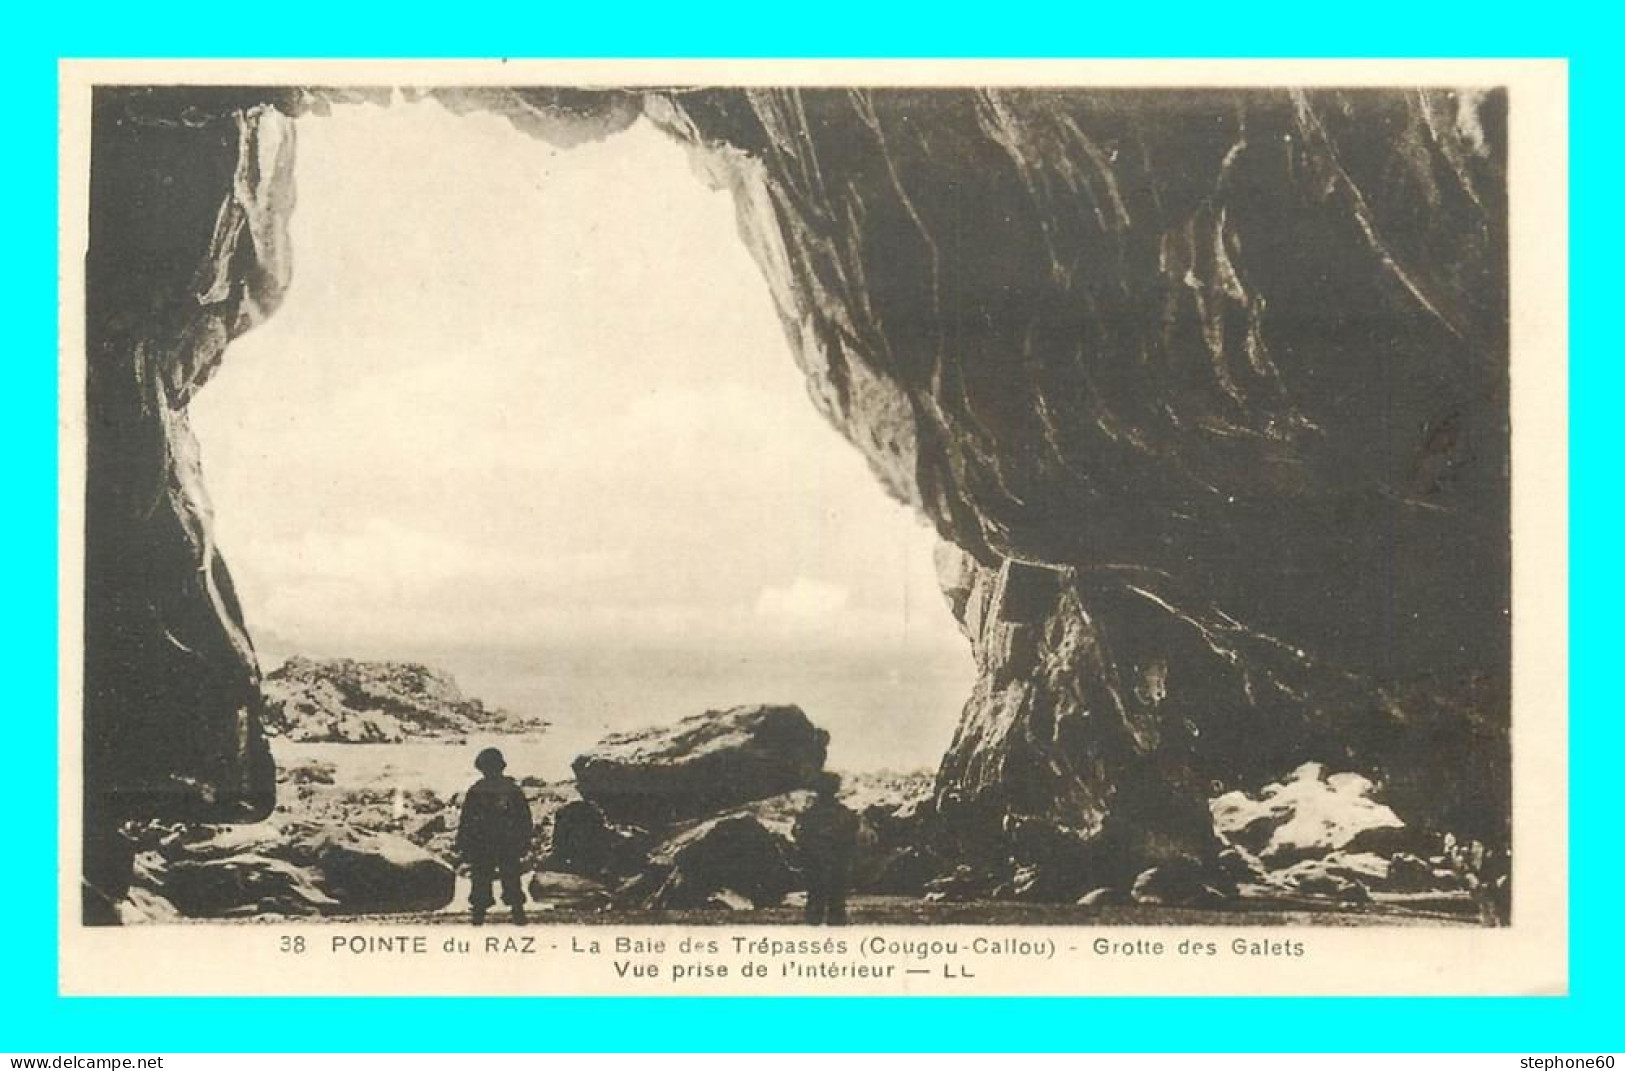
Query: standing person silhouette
x,y
826,836
493,835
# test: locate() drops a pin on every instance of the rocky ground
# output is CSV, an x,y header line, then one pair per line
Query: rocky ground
x,y
691,822
1222,461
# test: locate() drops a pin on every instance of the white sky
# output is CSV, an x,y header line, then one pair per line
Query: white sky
x,y
528,398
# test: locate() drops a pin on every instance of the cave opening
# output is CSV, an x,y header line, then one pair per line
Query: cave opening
x,y
527,415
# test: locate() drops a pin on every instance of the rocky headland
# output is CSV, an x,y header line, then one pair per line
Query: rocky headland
x,y
1205,392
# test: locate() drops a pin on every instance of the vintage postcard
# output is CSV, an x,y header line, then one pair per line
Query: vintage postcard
x,y
859,528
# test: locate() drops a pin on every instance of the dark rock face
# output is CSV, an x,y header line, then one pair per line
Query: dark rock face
x,y
142,906
963,883
903,872
582,841
1209,389
702,764
187,250
345,701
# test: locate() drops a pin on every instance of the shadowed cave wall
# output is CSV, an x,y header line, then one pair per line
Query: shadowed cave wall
x,y
1206,393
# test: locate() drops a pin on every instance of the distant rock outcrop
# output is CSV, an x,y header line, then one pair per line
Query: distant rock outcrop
x,y
344,701
1307,815
702,764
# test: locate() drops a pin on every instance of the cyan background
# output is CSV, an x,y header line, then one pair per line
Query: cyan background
x,y
33,1018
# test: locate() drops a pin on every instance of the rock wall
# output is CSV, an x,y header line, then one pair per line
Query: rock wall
x,y
1209,389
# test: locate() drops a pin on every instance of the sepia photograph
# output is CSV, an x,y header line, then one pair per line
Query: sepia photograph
x,y
545,512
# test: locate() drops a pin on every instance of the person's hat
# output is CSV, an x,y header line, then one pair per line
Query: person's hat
x,y
490,761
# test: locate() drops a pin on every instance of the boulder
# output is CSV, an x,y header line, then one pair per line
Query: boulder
x,y
728,900
1330,878
1368,869
292,868
1176,884
702,764
184,843
1410,873
736,853
1387,841
313,772
427,829
1071,859
1201,428
550,889
963,883
1239,865
1032,742
143,906
905,872
777,814
366,872
639,889
1307,815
